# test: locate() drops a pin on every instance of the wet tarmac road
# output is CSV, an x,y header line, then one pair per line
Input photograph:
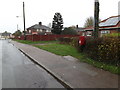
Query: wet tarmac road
x,y
19,72
0,65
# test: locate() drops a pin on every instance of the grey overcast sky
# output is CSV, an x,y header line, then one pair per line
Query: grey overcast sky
x,y
73,12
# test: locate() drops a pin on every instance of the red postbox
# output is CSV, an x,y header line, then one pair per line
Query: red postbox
x,y
82,40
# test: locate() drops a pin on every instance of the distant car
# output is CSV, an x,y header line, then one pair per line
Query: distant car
x,y
2,38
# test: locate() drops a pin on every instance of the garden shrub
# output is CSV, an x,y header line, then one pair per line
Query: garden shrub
x,y
103,49
109,50
91,47
64,40
73,41
69,31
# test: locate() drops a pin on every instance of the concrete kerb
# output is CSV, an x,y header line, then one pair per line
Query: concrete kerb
x,y
64,83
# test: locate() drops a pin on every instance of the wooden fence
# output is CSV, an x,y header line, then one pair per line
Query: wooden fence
x,y
44,37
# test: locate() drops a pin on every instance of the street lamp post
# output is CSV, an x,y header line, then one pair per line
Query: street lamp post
x,y
96,19
24,20
17,23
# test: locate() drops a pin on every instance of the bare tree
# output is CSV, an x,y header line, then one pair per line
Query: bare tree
x,y
89,22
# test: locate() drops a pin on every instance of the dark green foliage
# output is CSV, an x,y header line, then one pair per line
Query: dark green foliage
x,y
69,31
91,47
103,49
17,33
57,24
109,50
64,40
74,41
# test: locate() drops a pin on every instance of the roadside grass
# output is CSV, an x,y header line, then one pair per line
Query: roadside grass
x,y
64,50
34,42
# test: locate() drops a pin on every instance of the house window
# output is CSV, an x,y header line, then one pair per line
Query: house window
x,y
29,31
83,34
105,32
89,33
47,30
40,30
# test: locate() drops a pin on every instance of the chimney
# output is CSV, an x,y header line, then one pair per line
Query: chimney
x,y
40,23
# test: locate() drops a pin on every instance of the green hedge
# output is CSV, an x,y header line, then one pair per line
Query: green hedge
x,y
91,47
65,40
105,49
71,41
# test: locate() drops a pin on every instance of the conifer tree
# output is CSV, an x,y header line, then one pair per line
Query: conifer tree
x,y
57,24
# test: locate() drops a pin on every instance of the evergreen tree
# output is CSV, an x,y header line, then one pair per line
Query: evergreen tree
x,y
69,31
57,24
17,33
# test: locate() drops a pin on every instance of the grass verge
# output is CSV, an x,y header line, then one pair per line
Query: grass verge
x,y
34,42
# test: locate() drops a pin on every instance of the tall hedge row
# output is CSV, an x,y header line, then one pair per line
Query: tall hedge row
x,y
104,49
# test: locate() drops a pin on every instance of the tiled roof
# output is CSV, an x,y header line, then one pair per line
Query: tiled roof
x,y
37,26
79,29
6,34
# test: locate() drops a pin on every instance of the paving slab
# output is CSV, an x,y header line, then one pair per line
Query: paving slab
x,y
75,73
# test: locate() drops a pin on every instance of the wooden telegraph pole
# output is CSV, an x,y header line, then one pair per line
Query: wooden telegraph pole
x,y
24,21
96,19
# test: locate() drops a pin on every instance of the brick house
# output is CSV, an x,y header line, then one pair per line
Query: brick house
x,y
79,30
109,25
5,35
38,29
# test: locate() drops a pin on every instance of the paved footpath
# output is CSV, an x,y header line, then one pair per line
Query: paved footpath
x,y
74,73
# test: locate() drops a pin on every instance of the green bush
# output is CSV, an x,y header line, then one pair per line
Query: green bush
x,y
71,41
64,40
69,31
103,49
109,50
75,43
91,48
